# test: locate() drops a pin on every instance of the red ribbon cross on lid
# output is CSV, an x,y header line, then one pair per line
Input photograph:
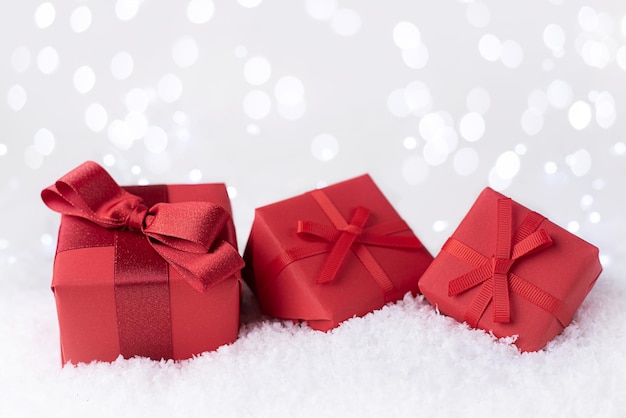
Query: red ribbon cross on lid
x,y
342,240
494,274
343,237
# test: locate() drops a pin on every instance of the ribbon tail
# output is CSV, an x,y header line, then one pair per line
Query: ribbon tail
x,y
479,304
542,299
389,241
335,258
375,270
343,244
469,280
501,309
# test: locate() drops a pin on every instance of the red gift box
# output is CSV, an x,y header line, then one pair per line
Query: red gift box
x,y
510,271
138,277
331,254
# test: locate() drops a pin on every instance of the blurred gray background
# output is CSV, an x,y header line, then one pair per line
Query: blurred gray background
x,y
436,100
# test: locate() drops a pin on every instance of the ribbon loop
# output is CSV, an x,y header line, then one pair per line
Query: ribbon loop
x,y
536,241
184,234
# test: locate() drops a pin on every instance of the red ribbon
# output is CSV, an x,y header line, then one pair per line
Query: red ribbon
x,y
142,298
494,273
184,234
341,238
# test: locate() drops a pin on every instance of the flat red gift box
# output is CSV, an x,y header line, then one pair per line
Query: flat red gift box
x,y
331,254
154,312
512,272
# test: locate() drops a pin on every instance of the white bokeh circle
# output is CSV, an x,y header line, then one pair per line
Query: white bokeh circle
x,y
45,15
47,60
324,147
185,52
406,35
257,70
257,104
84,79
170,88
465,161
81,18
579,115
346,22
96,117
472,126
122,65
17,97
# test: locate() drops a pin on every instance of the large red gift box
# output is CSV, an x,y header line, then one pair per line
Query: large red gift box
x,y
134,276
331,254
512,272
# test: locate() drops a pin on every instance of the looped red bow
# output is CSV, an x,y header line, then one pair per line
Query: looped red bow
x,y
345,237
495,273
184,234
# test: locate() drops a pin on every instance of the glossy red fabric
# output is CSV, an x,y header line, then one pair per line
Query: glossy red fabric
x,y
183,233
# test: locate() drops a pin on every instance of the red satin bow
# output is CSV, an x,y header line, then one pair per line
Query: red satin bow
x,y
494,274
184,234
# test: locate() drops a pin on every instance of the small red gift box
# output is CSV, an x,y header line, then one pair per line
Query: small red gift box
x,y
331,254
510,271
143,271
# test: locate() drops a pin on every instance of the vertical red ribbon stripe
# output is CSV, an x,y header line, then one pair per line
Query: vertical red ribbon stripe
x,y
142,298
502,262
